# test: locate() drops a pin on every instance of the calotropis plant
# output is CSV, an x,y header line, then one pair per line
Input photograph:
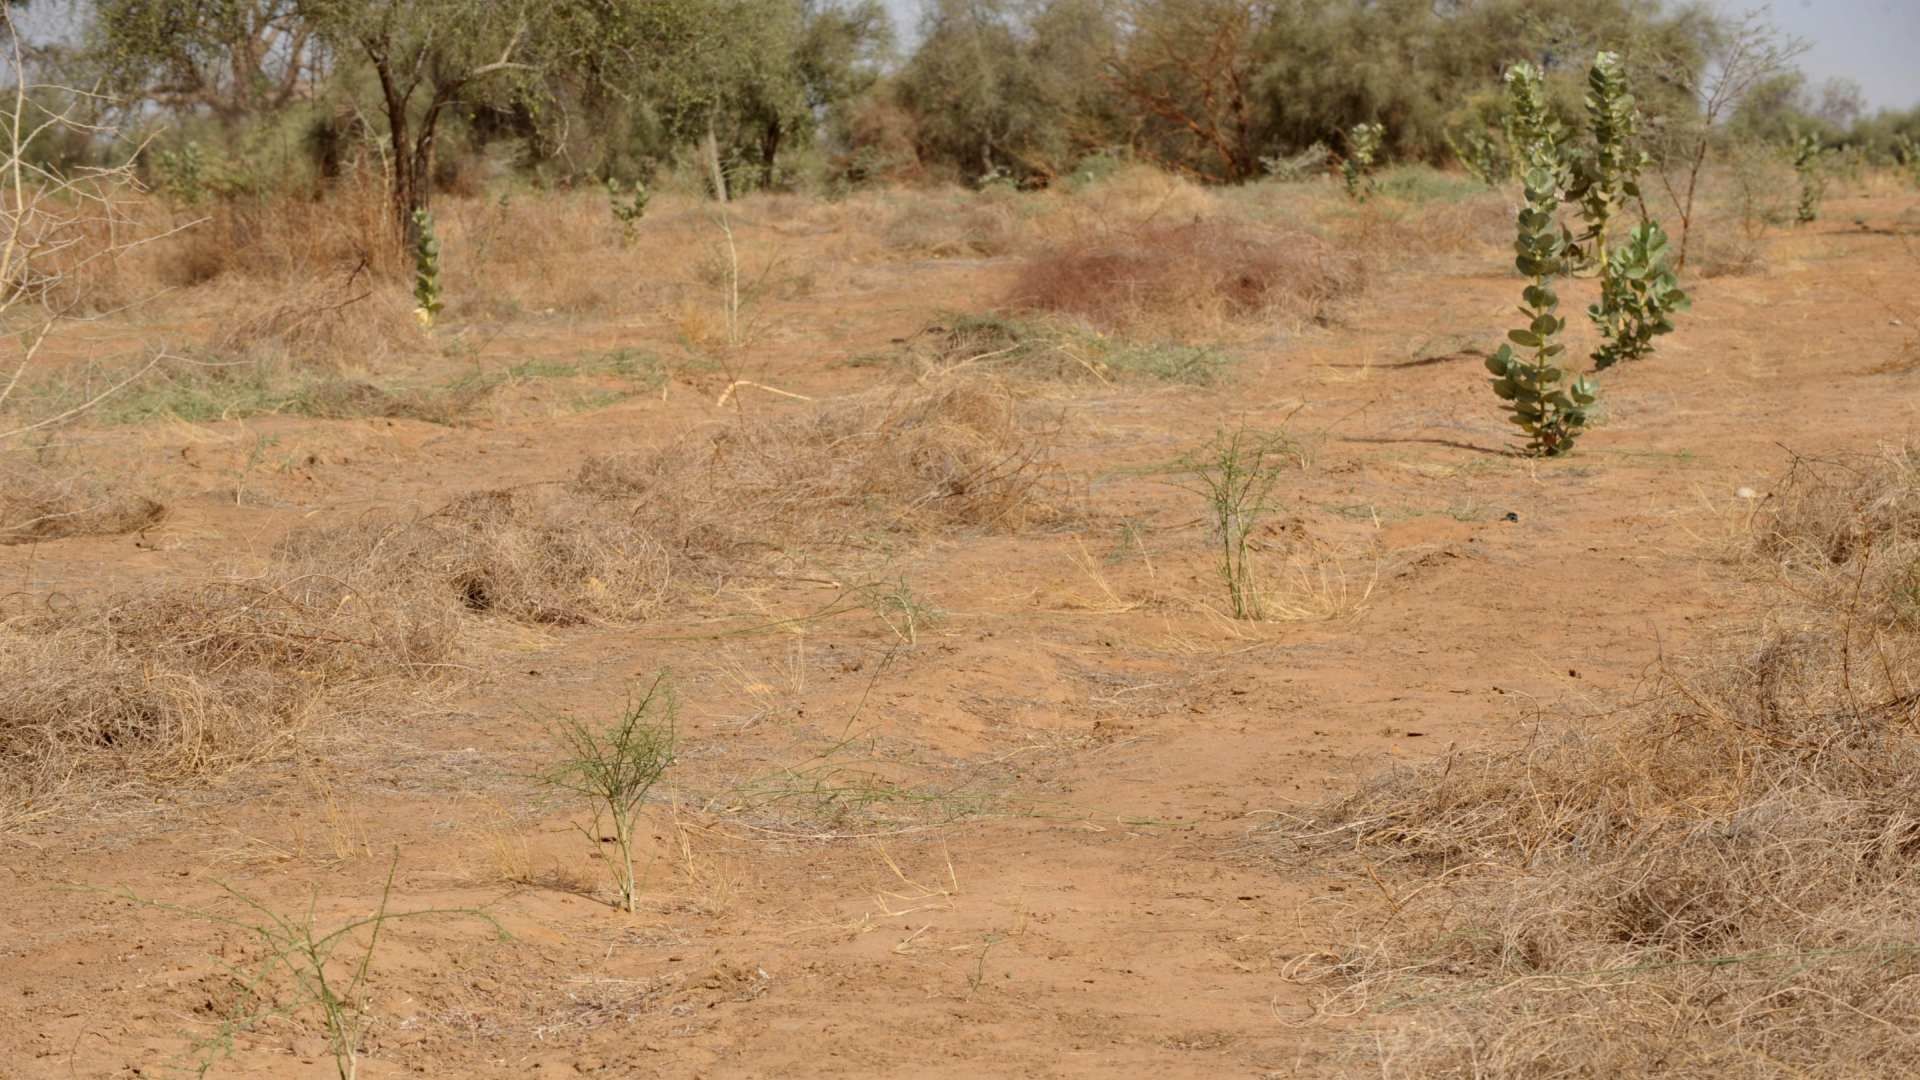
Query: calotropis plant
x,y
1548,407
1638,291
1806,162
1642,293
1363,145
426,270
1483,158
1608,176
628,207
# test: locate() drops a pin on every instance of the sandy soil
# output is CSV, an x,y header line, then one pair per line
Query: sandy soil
x,y
1056,879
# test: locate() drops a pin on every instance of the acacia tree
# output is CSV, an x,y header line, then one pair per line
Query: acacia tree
x,y
428,56
229,58
1188,67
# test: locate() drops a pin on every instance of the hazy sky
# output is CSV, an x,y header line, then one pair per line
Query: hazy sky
x,y
1876,43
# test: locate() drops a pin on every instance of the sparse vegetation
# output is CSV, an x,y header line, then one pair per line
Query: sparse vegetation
x,y
429,379
613,770
1236,474
1808,156
303,970
1721,874
1356,169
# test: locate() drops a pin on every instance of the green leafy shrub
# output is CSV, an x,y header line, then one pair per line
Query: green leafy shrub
x,y
1482,156
1551,411
1638,291
1236,473
1641,295
1807,164
1363,145
628,207
1907,152
426,270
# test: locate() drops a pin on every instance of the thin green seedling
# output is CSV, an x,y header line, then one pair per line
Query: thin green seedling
x,y
1236,474
613,770
330,971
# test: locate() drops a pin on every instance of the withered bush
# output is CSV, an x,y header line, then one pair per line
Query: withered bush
x,y
40,503
956,452
608,544
181,683
1725,882
1198,276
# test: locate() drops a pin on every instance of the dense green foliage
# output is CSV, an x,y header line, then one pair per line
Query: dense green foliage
x,y
785,93
1640,295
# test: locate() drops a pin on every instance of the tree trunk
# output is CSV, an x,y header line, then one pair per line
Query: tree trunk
x,y
710,144
404,195
770,140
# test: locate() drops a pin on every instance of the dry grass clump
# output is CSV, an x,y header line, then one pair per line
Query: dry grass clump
x,y
1201,274
609,544
343,322
38,503
177,684
1725,882
534,555
958,451
955,225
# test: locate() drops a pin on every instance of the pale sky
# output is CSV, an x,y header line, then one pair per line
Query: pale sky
x,y
1876,43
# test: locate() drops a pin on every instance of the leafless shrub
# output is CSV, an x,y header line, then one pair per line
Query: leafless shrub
x,y
532,555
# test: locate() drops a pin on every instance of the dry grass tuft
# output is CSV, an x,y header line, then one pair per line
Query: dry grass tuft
x,y
178,684
961,451
345,323
1199,276
960,225
609,544
1726,880
38,503
533,555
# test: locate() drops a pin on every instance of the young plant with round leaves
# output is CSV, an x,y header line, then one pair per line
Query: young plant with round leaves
x,y
1638,291
1363,145
1549,409
628,207
1907,153
1608,176
1806,162
426,270
1642,293
1484,159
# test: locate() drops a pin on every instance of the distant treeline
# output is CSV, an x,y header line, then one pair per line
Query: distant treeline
x,y
251,95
